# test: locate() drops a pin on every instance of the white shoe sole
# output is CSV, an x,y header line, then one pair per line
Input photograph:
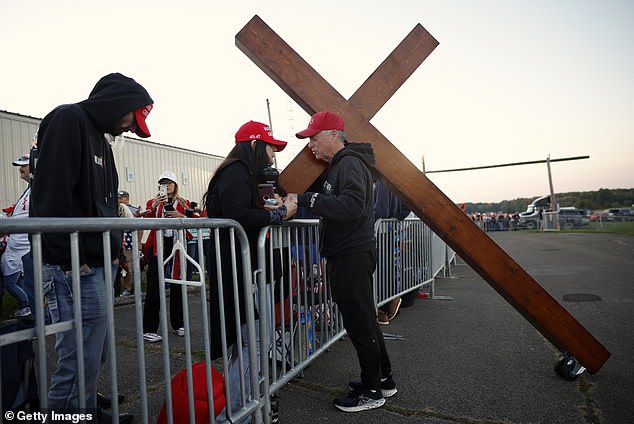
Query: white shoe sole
x,y
387,393
151,339
363,407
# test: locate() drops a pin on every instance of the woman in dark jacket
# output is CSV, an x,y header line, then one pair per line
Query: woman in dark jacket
x,y
233,193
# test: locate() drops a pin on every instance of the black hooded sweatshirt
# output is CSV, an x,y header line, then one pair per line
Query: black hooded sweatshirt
x,y
75,173
346,203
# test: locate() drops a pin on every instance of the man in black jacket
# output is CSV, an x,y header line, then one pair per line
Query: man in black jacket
x,y
75,176
346,205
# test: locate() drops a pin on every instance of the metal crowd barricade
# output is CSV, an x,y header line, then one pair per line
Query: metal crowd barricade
x,y
550,221
409,257
74,226
403,260
298,318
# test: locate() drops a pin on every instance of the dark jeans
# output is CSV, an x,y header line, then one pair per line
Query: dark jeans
x,y
152,305
351,285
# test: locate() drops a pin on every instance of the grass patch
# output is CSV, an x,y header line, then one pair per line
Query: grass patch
x,y
620,228
9,305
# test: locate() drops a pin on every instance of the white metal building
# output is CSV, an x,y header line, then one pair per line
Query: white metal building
x,y
139,163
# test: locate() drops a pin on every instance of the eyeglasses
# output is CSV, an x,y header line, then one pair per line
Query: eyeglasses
x,y
166,182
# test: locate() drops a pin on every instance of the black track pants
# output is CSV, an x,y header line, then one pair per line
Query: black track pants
x,y
351,284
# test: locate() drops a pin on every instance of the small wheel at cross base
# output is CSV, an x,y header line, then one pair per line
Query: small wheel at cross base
x,y
568,367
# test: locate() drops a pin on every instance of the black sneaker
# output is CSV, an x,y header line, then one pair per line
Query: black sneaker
x,y
361,401
388,387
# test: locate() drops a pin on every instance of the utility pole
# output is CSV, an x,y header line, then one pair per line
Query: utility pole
x,y
554,210
553,202
268,109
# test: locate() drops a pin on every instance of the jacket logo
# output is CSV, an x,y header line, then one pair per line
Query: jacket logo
x,y
99,161
312,200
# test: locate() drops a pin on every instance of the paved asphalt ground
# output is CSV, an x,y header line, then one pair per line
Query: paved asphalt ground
x,y
472,359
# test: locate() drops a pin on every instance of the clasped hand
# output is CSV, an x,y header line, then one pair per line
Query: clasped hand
x,y
291,206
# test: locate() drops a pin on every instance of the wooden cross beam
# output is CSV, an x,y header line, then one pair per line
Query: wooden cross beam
x,y
313,93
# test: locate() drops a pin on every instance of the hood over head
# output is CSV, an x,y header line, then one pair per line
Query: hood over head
x,y
113,96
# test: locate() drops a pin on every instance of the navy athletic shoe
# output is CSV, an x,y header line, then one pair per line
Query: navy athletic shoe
x,y
361,400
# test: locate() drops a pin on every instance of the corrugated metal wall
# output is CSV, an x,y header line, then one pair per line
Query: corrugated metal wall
x,y
139,163
16,134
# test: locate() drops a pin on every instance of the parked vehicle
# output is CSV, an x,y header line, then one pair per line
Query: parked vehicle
x,y
586,213
598,216
614,215
570,217
531,217
620,215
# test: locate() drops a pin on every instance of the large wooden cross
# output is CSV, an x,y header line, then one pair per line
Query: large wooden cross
x,y
313,93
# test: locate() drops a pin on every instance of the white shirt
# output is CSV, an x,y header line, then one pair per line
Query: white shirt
x,y
17,244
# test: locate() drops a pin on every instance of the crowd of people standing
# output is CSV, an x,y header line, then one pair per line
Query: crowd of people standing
x,y
81,134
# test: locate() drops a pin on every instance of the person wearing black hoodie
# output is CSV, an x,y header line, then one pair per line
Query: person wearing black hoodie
x,y
74,175
346,206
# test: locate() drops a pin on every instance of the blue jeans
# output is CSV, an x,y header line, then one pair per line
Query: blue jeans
x,y
64,389
29,287
27,266
13,284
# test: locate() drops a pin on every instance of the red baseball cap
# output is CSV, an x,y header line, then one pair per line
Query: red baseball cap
x,y
322,121
141,126
258,131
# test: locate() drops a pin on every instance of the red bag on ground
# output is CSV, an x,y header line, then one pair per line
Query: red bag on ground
x,y
180,404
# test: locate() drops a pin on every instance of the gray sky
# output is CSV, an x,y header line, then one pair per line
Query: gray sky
x,y
511,80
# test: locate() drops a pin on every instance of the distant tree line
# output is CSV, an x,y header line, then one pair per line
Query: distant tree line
x,y
603,198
